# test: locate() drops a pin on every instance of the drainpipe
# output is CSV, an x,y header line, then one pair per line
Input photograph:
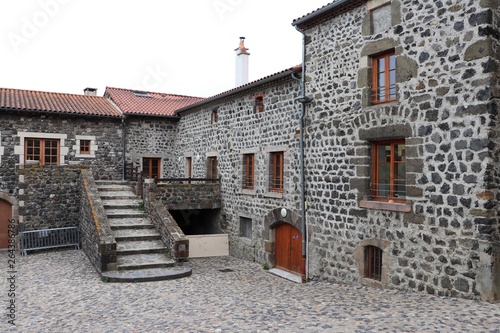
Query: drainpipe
x,y
123,147
303,99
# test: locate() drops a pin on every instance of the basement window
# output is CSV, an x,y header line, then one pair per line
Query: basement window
x,y
373,263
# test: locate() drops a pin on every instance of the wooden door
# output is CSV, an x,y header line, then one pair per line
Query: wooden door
x,y
5,217
288,245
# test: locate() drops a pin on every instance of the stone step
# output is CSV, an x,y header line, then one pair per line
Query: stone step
x,y
109,188
140,247
124,213
121,204
130,223
136,234
149,274
120,195
141,261
112,182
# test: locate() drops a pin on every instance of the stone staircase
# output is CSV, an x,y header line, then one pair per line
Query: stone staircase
x,y
141,254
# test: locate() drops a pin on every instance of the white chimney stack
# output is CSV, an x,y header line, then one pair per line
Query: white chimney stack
x,y
241,63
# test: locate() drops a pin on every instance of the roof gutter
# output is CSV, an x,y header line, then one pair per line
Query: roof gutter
x,y
285,74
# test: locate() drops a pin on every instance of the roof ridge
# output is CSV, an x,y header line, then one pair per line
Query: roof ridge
x,y
153,92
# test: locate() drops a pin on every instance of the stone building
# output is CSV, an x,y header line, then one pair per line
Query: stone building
x,y
375,162
53,135
402,144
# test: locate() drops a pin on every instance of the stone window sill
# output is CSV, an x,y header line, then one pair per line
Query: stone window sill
x,y
277,195
248,192
383,205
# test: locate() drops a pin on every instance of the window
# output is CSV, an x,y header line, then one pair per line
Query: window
x,y
259,104
389,170
151,167
276,172
245,227
373,263
384,78
189,167
214,117
212,167
85,147
45,151
248,171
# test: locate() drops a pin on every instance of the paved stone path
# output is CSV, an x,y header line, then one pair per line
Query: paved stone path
x,y
59,291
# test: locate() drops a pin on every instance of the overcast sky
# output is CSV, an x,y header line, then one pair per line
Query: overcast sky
x,y
179,47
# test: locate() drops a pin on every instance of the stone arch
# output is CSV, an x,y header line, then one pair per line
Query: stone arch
x,y
271,220
14,202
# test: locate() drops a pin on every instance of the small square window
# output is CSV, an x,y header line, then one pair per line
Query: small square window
x,y
85,147
245,227
214,117
259,104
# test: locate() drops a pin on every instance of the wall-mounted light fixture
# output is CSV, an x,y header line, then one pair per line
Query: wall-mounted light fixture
x,y
284,212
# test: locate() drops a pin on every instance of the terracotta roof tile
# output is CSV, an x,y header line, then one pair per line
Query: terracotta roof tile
x,y
134,102
41,101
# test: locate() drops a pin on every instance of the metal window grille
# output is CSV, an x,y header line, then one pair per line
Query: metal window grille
x,y
373,262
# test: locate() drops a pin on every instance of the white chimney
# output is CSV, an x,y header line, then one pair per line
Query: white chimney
x,y
241,63
90,91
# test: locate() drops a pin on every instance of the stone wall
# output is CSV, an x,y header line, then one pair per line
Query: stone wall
x,y
446,110
97,239
238,130
196,195
171,234
151,137
106,160
49,197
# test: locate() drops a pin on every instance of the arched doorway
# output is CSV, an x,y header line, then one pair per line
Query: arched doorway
x,y
5,218
288,248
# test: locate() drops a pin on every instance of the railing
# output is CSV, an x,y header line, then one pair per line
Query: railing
x,y
48,238
133,173
188,180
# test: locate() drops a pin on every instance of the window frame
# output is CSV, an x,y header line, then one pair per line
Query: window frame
x,y
258,104
189,167
147,169
386,56
246,226
212,167
42,150
248,175
375,180
276,163
214,117
373,262
85,146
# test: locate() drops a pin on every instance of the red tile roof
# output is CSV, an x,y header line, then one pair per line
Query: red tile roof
x,y
134,102
284,74
41,101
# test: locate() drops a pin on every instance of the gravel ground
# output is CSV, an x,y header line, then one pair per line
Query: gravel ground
x,y
59,291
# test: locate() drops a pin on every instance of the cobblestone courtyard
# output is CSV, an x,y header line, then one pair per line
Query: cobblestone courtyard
x,y
59,291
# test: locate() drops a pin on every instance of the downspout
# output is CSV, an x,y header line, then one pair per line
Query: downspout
x,y
303,99
124,136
